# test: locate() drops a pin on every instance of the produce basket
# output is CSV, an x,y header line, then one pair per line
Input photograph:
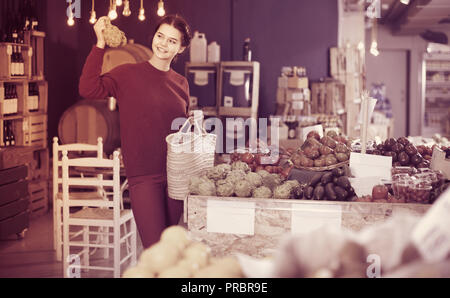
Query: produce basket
x,y
188,154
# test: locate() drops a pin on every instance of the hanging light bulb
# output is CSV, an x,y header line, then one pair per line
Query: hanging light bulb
x,y
374,49
142,12
161,12
70,20
406,2
112,11
118,2
374,45
126,8
93,18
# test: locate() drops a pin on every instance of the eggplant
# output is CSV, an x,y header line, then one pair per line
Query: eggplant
x,y
329,192
326,178
341,193
308,193
319,192
343,182
315,179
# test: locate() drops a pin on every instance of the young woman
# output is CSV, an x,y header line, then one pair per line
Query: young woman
x,y
150,95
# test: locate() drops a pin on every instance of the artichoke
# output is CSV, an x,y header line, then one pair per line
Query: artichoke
x,y
243,189
262,192
254,179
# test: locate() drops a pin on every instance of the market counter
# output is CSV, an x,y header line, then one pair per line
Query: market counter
x,y
254,226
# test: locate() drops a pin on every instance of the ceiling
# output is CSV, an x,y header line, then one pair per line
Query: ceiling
x,y
412,19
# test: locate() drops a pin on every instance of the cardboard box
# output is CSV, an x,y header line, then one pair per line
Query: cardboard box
x,y
297,82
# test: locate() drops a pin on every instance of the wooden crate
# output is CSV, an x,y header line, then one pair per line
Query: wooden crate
x,y
36,40
43,98
38,169
38,197
6,50
15,156
20,99
31,131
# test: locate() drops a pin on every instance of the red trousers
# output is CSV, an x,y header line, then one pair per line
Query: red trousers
x,y
153,210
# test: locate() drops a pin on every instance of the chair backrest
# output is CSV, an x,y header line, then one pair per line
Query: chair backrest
x,y
109,166
75,147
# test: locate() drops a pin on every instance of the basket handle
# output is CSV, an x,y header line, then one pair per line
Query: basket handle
x,y
197,121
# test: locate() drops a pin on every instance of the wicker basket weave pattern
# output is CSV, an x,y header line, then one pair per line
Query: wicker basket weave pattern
x,y
188,154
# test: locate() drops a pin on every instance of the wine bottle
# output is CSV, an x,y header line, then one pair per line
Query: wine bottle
x,y
6,140
12,137
14,99
13,62
247,55
21,62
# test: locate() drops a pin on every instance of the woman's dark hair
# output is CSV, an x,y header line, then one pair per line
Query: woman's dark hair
x,y
180,23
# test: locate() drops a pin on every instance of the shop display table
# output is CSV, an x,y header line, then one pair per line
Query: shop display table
x,y
255,226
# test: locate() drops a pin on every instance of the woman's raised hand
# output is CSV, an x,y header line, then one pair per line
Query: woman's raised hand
x,y
99,26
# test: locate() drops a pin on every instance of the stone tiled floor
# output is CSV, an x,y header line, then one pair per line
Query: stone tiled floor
x,y
34,257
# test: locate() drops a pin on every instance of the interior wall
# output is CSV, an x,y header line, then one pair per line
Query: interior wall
x,y
283,33
417,46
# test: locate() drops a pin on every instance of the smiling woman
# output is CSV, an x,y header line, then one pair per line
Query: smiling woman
x,y
150,95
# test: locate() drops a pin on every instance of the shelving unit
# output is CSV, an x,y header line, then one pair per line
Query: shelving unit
x,y
228,89
347,66
435,94
29,123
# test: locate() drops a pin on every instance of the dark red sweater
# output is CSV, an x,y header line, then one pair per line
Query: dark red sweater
x,y
148,99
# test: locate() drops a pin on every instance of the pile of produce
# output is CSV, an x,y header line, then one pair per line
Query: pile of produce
x,y
330,186
321,152
238,180
176,256
404,153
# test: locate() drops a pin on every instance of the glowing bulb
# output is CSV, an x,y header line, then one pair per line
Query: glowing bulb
x,y
112,14
406,2
93,18
141,14
118,2
374,49
70,21
126,9
161,12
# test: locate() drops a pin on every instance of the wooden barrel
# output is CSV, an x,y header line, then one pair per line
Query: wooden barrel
x,y
87,120
131,53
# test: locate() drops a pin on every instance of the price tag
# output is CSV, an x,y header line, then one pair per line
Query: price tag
x,y
306,218
368,165
193,101
230,217
431,235
228,101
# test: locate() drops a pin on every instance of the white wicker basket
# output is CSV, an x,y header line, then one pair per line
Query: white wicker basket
x,y
188,154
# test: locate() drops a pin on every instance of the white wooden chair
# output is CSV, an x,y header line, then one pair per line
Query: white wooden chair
x,y
57,184
96,213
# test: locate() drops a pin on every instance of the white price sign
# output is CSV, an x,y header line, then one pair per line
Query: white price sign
x,y
230,217
306,218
